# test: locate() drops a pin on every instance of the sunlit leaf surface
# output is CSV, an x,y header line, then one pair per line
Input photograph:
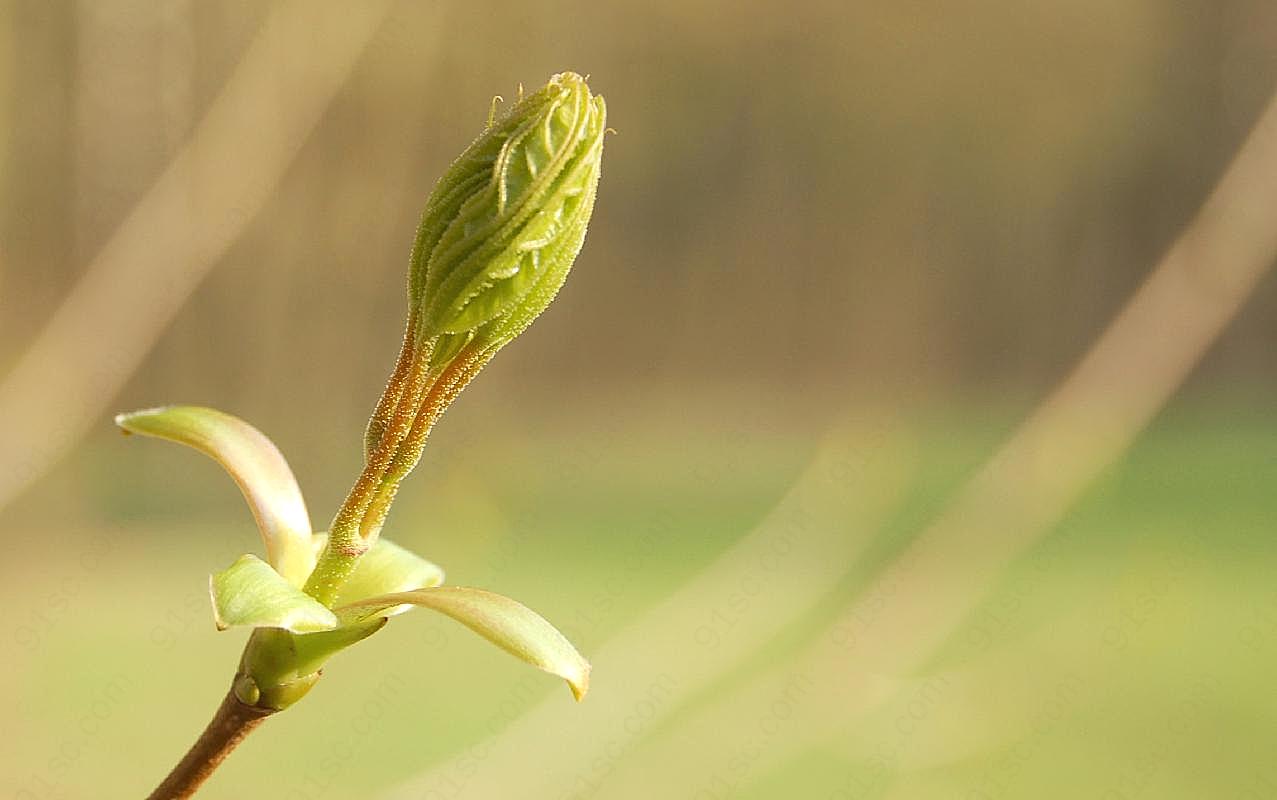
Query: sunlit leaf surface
x,y
257,467
506,623
250,592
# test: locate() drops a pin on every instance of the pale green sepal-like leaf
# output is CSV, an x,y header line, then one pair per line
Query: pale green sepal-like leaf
x,y
257,467
510,625
386,568
250,592
314,649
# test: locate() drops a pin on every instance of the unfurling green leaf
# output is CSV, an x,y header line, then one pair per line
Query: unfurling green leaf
x,y
257,467
506,221
250,592
510,625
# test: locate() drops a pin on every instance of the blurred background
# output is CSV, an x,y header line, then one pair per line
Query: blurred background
x,y
840,252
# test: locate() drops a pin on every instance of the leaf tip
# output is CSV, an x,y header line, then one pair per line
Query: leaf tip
x,y
218,622
580,682
126,420
122,422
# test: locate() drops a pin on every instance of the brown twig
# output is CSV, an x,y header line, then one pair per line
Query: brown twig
x,y
232,722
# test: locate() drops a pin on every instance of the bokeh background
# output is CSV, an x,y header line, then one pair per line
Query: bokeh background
x,y
841,251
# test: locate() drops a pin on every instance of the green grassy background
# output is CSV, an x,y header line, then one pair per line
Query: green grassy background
x,y
1127,655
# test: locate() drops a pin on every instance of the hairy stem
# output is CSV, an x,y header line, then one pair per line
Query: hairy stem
x,y
381,416
232,722
345,545
441,394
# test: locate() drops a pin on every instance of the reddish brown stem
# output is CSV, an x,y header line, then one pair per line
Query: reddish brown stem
x,y
232,722
436,400
382,415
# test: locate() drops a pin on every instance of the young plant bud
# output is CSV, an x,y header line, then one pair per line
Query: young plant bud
x,y
496,242
506,221
499,233
498,236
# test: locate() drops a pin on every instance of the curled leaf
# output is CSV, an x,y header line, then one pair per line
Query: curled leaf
x,y
250,592
506,221
257,467
506,623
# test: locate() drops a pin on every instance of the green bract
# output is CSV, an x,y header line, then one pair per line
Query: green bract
x,y
257,466
294,634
